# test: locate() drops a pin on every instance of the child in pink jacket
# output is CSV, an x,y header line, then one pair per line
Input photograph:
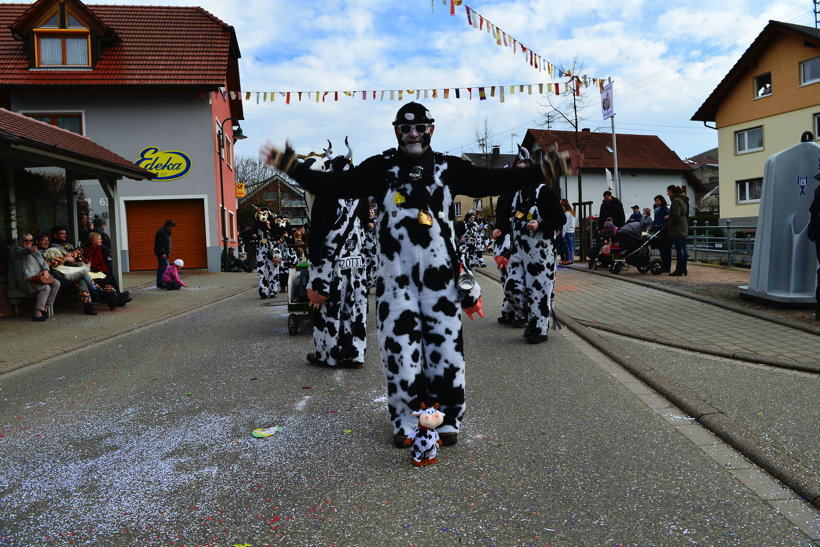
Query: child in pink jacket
x,y
171,278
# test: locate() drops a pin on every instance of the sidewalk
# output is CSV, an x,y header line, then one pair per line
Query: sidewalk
x,y
649,311
25,342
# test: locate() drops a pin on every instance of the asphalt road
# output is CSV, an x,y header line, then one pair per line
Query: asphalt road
x,y
146,439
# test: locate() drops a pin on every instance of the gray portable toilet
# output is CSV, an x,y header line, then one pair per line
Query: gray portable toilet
x,y
784,263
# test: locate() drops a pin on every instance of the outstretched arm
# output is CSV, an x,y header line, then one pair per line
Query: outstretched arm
x,y
362,180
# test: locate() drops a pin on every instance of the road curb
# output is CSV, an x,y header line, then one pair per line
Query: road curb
x,y
715,302
739,355
778,464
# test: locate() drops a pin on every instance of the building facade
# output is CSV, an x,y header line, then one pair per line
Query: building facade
x,y
646,166
152,93
761,107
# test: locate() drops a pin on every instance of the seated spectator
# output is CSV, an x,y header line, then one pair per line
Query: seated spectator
x,y
32,272
233,264
171,279
93,254
69,271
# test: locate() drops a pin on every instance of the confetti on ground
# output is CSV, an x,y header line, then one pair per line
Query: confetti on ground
x,y
307,387
347,431
330,412
190,393
252,379
267,431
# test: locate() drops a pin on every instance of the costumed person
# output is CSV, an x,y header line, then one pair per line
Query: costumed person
x,y
94,255
417,300
502,250
370,248
813,232
337,283
268,255
474,241
536,216
283,242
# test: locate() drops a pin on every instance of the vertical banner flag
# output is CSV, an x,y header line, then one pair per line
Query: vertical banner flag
x,y
608,179
607,103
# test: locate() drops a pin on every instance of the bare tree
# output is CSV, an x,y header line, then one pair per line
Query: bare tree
x,y
572,109
483,137
252,171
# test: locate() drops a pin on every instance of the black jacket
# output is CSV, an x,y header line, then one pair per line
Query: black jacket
x,y
162,242
612,209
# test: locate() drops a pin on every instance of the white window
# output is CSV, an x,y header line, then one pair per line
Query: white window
x,y
231,226
749,140
748,191
817,126
457,208
219,138
810,71
477,204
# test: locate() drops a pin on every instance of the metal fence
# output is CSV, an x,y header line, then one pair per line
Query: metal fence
x,y
724,244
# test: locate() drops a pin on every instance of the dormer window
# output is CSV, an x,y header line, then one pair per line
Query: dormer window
x,y
62,41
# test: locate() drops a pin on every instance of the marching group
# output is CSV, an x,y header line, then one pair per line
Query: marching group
x,y
420,261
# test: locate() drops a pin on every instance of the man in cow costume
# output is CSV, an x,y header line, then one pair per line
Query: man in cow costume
x,y
337,286
417,298
535,215
268,255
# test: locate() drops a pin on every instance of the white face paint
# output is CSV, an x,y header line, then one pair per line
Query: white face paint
x,y
415,144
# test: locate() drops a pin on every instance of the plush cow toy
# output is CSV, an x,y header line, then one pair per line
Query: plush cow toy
x,y
424,437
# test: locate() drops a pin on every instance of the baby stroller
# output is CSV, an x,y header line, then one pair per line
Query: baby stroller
x,y
627,247
299,309
633,250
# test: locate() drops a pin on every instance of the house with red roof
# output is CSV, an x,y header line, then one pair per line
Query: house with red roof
x,y
147,83
646,166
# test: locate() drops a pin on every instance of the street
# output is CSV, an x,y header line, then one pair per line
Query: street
x,y
146,439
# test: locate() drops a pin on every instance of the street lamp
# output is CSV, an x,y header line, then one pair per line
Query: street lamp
x,y
237,136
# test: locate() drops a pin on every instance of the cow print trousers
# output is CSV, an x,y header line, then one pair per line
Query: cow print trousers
x,y
267,272
340,324
530,280
422,349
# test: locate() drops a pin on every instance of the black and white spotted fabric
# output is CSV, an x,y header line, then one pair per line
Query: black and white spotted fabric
x,y
418,304
268,273
531,271
339,271
475,242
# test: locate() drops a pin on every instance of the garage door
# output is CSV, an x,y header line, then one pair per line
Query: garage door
x,y
188,237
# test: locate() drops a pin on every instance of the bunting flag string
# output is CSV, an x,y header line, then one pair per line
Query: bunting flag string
x,y
504,39
483,93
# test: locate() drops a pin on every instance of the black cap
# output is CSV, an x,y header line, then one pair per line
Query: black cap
x,y
413,113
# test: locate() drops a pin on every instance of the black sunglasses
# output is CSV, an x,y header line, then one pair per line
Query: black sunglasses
x,y
420,128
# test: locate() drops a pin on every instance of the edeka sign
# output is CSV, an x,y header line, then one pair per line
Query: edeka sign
x,y
166,165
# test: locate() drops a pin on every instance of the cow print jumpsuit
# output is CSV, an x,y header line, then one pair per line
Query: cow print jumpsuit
x,y
417,300
531,271
338,271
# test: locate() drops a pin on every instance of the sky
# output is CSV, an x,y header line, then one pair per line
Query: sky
x,y
664,59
